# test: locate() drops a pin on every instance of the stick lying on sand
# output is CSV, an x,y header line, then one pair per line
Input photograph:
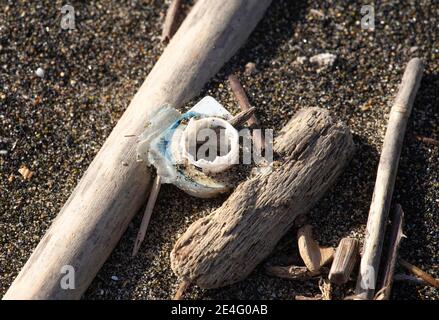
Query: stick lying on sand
x,y
389,269
244,103
109,194
171,21
155,189
385,181
420,273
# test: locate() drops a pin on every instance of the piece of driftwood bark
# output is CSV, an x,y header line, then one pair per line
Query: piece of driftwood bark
x,y
171,21
385,180
244,104
420,273
225,246
392,256
290,272
155,189
312,254
345,258
109,194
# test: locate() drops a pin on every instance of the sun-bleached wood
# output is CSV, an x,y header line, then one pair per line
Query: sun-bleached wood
x,y
345,258
385,180
225,246
312,254
115,186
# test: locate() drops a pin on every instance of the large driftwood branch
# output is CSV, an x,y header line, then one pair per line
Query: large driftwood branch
x,y
225,246
385,180
115,186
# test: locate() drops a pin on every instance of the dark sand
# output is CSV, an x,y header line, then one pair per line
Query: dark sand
x,y
56,125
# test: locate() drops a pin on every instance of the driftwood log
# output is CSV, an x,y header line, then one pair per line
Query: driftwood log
x,y
225,246
115,185
385,180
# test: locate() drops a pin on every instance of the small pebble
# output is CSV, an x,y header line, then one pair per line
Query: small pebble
x,y
324,59
40,72
300,60
3,152
114,278
250,69
413,49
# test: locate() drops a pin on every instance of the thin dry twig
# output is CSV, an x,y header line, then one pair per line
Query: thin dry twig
x,y
244,104
242,117
171,21
420,273
181,289
147,214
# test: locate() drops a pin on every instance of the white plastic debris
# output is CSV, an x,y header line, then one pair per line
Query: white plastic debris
x,y
40,72
218,163
324,59
165,145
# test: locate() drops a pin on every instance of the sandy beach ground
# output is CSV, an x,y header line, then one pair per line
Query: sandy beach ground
x,y
56,124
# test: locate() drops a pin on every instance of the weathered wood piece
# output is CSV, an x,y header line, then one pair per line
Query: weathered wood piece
x,y
392,256
345,258
385,180
312,254
420,273
171,21
225,246
114,187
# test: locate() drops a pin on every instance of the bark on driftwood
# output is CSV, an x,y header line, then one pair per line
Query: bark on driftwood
x,y
115,186
225,246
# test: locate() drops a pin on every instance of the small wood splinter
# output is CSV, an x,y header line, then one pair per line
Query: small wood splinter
x,y
314,256
147,214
